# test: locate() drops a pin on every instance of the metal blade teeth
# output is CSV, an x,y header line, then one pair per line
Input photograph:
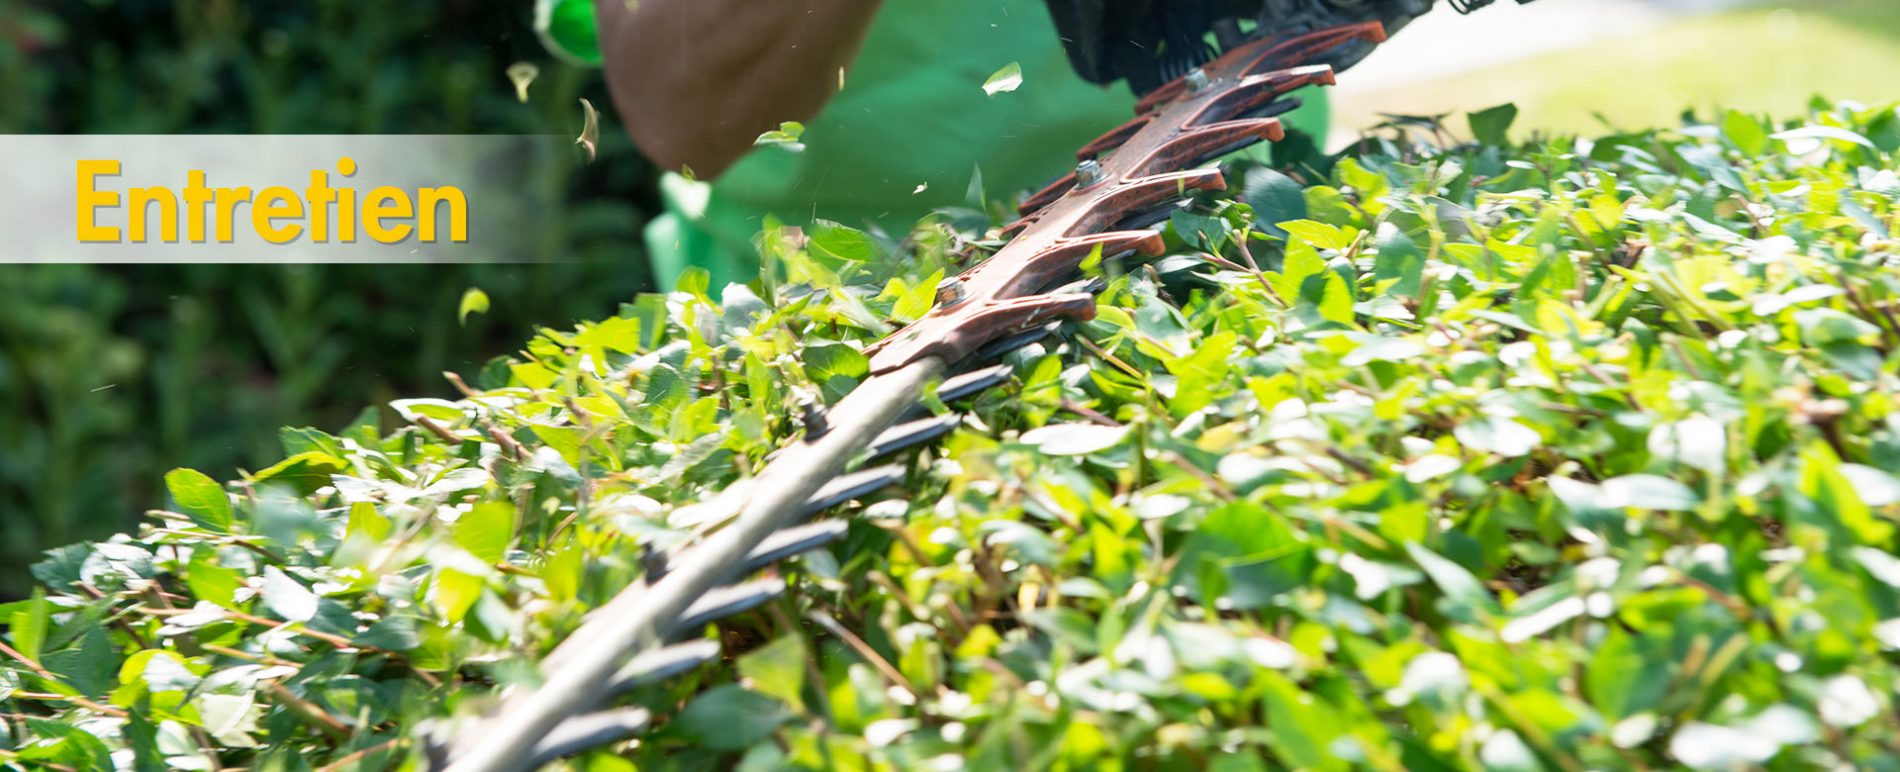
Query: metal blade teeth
x,y
590,730
851,486
1230,104
724,602
973,382
914,433
794,541
1005,345
661,664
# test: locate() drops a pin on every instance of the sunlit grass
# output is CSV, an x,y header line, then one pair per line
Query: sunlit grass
x,y
1767,59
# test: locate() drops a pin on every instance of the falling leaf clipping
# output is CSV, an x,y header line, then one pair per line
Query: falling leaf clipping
x,y
474,301
1007,79
590,130
522,74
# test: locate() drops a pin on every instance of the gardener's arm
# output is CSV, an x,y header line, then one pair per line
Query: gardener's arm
x,y
696,81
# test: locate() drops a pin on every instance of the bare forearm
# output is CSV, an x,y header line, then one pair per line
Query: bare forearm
x,y
696,81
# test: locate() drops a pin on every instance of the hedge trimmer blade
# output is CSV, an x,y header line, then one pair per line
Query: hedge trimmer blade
x,y
1127,180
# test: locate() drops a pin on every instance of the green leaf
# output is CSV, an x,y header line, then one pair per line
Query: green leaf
x,y
455,592
1300,728
839,244
786,137
1465,598
367,523
200,498
142,735
87,667
1318,234
563,571
1197,230
392,633
160,670
1275,198
74,747
1822,326
303,472
778,670
1648,491
1624,678
836,368
1007,79
1336,300
286,597
1496,434
1075,439
1796,138
1400,259
1302,262
616,333
1492,126
29,625
1066,626
474,301
209,581
522,75
231,719
565,440
1745,133
729,718
1370,187
1822,480
305,440
486,530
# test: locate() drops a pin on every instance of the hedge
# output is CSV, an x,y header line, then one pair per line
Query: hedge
x,y
1568,454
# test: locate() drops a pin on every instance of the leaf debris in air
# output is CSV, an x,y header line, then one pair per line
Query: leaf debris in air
x,y
474,301
1004,80
786,136
590,130
522,74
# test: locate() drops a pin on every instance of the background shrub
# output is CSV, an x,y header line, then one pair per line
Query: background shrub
x,y
105,371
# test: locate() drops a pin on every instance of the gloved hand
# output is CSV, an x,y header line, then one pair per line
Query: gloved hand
x,y
696,81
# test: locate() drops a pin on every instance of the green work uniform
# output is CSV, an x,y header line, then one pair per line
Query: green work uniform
x,y
906,135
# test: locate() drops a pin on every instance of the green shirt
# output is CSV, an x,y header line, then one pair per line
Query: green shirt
x,y
905,135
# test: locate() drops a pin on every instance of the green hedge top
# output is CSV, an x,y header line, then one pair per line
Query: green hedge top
x,y
1567,455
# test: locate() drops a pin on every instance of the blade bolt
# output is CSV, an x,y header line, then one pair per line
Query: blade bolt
x,y
950,291
1197,80
1088,173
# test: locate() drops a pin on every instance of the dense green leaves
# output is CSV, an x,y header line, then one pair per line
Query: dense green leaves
x,y
1574,455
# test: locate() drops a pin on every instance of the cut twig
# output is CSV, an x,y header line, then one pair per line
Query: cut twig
x,y
438,430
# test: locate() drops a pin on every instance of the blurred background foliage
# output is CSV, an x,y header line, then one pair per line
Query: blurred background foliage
x,y
1584,66
110,375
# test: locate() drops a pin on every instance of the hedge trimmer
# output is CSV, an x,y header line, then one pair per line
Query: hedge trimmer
x,y
1128,180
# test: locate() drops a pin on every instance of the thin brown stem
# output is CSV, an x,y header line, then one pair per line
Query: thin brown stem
x,y
349,762
311,713
864,650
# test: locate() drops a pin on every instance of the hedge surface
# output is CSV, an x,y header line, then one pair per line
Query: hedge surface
x,y
1567,455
